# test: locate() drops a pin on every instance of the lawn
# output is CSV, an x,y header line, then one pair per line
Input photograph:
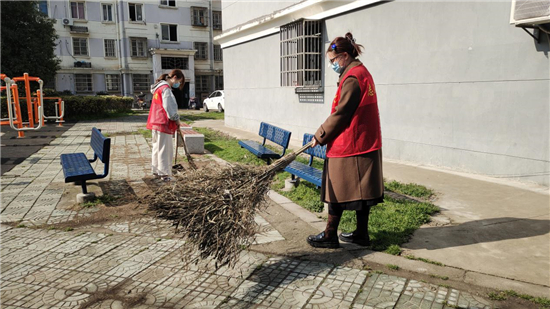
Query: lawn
x,y
391,223
190,117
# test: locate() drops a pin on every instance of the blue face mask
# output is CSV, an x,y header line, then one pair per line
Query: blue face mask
x,y
175,85
337,68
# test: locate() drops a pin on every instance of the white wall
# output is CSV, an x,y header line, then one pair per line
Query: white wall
x,y
457,85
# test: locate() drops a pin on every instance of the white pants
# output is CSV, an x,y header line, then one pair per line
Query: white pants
x,y
163,153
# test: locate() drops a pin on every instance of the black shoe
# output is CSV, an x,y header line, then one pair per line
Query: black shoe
x,y
320,241
350,237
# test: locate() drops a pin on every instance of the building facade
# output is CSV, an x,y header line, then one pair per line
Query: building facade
x,y
458,85
121,47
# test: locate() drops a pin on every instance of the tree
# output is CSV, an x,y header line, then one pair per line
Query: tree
x,y
28,40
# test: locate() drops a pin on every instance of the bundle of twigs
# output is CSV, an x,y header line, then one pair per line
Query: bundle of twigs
x,y
215,208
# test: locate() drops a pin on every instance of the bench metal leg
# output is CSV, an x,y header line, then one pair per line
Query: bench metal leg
x,y
84,188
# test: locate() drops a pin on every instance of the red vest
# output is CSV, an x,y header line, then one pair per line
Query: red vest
x,y
158,118
363,133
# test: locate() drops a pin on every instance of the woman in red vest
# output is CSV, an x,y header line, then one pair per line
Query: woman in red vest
x,y
164,120
352,175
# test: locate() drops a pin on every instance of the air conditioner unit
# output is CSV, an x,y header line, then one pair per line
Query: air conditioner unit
x,y
530,12
67,22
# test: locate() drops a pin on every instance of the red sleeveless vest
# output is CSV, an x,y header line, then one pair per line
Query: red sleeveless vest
x,y
363,134
158,118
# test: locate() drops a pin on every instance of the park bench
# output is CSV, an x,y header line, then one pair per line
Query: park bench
x,y
307,172
268,132
77,167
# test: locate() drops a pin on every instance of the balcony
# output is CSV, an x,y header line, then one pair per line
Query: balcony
x,y
79,29
83,64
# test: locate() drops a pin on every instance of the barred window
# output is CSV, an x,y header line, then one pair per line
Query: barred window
x,y
170,63
219,82
112,82
80,46
169,33
202,50
202,83
301,53
139,47
199,16
141,82
110,48
83,82
217,20
218,53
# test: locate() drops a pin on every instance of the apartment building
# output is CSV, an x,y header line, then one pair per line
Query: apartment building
x,y
121,47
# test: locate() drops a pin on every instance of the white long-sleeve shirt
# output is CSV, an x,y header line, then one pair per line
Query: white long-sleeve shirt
x,y
168,100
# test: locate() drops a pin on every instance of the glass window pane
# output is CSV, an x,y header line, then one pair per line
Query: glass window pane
x,y
165,34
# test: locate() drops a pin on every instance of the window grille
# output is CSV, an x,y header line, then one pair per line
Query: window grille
x,y
218,53
80,46
112,82
139,47
217,20
202,53
83,82
170,63
141,82
301,54
110,48
202,83
199,16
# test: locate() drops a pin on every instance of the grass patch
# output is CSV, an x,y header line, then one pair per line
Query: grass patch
x,y
503,295
412,257
391,223
21,226
393,249
104,199
410,189
192,117
392,267
439,277
145,132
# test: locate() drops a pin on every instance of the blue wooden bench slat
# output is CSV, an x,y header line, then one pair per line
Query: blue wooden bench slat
x,y
307,172
268,132
77,167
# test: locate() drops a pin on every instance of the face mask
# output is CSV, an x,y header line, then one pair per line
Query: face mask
x,y
337,68
176,85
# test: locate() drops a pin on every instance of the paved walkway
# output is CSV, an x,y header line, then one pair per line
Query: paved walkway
x,y
137,263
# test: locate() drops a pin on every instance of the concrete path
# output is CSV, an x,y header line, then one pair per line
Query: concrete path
x,y
487,226
137,263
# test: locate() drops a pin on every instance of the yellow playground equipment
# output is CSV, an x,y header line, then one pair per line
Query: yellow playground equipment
x,y
35,105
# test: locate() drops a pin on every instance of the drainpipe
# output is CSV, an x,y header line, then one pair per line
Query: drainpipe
x,y
123,57
119,50
211,46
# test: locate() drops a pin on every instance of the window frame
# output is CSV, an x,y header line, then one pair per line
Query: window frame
x,y
84,9
138,39
205,16
218,53
146,82
301,54
105,48
107,83
206,85
169,32
89,82
39,3
103,20
205,44
135,13
168,3
87,47
217,15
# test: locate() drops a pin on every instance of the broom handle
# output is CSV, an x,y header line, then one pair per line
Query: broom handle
x,y
189,158
286,160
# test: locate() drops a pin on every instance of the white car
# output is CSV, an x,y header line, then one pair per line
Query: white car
x,y
215,100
